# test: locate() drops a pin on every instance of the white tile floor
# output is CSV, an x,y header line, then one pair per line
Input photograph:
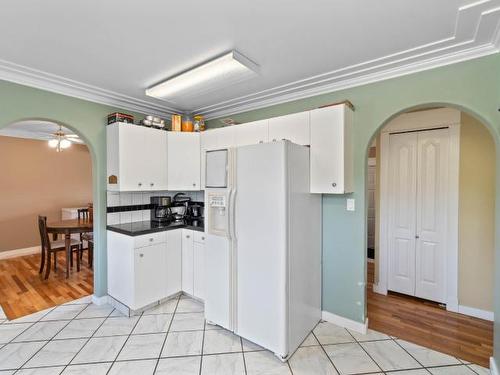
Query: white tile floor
x,y
173,338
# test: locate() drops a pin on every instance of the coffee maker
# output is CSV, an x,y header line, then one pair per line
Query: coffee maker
x,y
161,212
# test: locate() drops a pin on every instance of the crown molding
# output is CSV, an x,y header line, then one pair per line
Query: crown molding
x,y
477,34
60,85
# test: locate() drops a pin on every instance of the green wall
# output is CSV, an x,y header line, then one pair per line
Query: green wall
x,y
472,86
88,120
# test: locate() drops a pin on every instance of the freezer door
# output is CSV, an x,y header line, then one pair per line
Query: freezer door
x,y
216,172
261,245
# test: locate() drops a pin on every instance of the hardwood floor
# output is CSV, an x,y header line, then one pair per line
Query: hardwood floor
x,y
23,291
427,324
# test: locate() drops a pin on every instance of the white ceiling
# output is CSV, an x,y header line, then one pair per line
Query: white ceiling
x,y
35,129
111,51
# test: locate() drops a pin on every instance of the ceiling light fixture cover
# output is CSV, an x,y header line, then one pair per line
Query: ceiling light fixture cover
x,y
215,74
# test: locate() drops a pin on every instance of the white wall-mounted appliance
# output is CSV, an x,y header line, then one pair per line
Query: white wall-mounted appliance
x,y
263,247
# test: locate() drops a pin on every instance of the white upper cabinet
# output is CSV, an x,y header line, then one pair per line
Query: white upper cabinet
x,y
294,127
331,150
136,158
183,150
251,133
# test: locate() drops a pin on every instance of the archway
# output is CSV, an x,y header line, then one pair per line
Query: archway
x,y
409,322
55,185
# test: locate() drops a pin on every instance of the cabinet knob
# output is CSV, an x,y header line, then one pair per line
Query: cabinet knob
x,y
194,184
203,238
152,184
141,255
261,141
274,139
334,184
140,184
188,236
151,239
417,236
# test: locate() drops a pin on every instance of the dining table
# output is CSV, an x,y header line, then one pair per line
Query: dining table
x,y
67,228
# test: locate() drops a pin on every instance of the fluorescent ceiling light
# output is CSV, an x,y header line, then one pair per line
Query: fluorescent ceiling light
x,y
212,75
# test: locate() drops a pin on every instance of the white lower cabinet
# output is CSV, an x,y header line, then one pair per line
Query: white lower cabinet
x,y
150,277
187,261
193,263
142,269
173,282
199,269
145,269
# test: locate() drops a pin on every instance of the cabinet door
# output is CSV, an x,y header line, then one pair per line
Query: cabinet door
x,y
331,159
251,133
150,276
155,168
173,268
187,261
133,157
183,161
294,127
225,137
199,270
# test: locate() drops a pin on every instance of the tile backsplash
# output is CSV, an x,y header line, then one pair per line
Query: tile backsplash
x,y
139,197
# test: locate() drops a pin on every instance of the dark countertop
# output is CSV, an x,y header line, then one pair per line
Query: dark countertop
x,y
139,228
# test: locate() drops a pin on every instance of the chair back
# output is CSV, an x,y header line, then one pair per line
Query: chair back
x,y
83,214
44,236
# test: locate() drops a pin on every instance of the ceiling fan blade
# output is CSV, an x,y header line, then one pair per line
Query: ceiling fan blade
x,y
72,136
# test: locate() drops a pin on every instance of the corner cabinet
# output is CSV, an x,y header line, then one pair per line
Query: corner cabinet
x,y
143,270
136,158
183,154
331,150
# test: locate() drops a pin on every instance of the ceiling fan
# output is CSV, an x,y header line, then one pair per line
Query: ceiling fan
x,y
61,140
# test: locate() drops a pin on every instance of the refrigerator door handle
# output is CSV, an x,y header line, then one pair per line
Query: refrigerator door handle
x,y
228,214
232,214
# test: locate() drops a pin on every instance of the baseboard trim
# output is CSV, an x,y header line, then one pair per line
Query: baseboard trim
x,y
477,313
345,322
19,252
494,367
379,290
100,300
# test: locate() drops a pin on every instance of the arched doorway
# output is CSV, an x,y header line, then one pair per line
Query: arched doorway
x,y
48,172
448,322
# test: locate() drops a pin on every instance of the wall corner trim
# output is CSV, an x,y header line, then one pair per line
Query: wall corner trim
x,y
345,322
100,300
19,252
377,288
477,313
493,367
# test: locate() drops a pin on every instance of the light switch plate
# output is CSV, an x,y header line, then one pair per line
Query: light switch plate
x,y
350,204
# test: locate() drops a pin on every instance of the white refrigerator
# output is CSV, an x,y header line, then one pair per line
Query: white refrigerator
x,y
263,246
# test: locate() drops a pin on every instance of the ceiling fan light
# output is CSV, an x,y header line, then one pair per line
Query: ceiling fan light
x,y
53,143
65,143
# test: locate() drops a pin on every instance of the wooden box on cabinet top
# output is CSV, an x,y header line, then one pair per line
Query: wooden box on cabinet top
x,y
331,150
136,158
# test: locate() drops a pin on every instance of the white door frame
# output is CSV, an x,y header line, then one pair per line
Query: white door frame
x,y
436,118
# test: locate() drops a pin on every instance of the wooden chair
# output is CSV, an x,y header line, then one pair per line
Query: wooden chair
x,y
84,214
53,247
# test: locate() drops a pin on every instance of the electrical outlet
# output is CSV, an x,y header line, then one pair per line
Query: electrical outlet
x,y
350,204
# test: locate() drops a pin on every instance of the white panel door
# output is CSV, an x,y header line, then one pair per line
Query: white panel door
x,y
187,261
402,212
251,133
432,188
183,161
294,127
